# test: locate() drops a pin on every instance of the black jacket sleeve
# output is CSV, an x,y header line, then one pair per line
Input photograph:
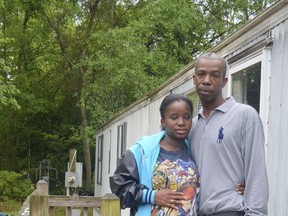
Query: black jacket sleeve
x,y
125,183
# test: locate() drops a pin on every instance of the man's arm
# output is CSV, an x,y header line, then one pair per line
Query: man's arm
x,y
256,179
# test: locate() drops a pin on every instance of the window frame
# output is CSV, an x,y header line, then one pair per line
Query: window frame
x,y
262,55
100,159
121,141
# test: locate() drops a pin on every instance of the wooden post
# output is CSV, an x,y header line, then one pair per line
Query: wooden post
x,y
68,211
51,210
39,200
72,160
110,205
71,168
85,211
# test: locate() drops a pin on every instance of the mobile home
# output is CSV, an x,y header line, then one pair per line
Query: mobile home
x,y
258,58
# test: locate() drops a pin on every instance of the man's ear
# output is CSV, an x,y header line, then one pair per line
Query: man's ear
x,y
193,78
225,79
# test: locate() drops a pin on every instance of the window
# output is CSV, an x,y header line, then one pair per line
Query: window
x,y
121,141
246,85
99,160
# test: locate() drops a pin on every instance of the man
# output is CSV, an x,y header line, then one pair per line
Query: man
x,y
227,142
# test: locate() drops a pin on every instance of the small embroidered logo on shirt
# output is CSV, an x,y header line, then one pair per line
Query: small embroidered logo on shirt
x,y
220,135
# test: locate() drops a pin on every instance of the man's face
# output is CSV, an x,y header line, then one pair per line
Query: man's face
x,y
209,79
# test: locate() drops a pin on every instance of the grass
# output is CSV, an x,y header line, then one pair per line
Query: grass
x,y
60,211
10,207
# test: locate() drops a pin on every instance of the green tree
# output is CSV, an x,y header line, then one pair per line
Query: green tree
x,y
66,67
14,186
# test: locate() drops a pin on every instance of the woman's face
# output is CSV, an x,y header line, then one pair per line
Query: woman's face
x,y
177,120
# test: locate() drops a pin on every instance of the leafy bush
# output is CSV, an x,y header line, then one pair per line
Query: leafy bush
x,y
10,207
14,186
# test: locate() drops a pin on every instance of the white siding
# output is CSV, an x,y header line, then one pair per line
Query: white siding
x,y
245,47
278,122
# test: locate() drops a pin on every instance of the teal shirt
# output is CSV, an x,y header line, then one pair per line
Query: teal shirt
x,y
146,151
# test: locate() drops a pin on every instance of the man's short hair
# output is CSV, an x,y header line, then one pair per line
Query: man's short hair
x,y
213,55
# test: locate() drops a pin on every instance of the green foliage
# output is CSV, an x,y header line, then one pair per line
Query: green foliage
x,y
8,90
14,186
69,66
7,95
10,207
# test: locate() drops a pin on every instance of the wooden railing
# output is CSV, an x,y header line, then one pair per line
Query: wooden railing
x,y
42,204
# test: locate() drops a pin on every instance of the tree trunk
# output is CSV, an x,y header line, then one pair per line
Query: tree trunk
x,y
86,146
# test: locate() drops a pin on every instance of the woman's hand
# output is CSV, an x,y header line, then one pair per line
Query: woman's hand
x,y
240,188
168,198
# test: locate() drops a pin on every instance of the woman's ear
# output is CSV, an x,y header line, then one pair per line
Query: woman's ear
x,y
162,123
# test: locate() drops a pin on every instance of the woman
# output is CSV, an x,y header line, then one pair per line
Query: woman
x,y
157,175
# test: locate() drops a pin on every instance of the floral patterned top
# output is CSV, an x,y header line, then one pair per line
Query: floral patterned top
x,y
180,175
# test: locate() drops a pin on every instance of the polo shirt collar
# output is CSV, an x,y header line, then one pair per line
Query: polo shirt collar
x,y
229,103
225,107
